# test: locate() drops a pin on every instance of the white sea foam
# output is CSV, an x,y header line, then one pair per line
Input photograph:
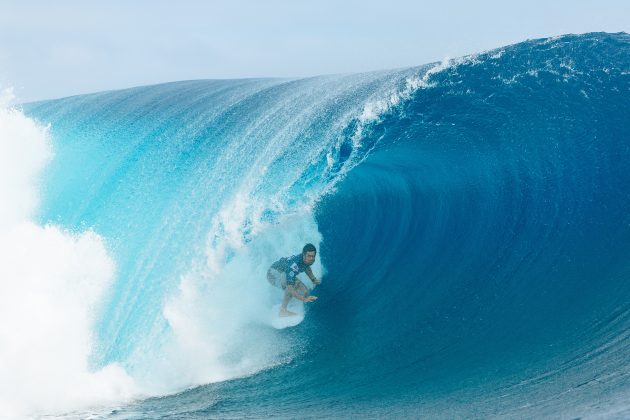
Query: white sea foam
x,y
51,283
220,318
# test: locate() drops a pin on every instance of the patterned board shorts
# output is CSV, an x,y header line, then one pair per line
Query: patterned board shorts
x,y
277,278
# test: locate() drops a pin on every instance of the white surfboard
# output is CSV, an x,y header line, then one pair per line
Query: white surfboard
x,y
280,322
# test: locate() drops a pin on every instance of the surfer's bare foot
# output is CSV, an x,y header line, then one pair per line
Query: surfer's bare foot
x,y
285,312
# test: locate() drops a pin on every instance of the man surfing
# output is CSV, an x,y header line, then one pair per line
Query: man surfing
x,y
283,274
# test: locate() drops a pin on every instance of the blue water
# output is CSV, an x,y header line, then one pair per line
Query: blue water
x,y
472,218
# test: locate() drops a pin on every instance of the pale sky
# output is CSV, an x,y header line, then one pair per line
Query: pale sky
x,y
58,48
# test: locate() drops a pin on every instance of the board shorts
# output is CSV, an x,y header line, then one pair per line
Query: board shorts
x,y
277,278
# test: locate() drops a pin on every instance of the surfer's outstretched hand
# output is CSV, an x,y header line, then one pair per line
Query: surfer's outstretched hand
x,y
310,299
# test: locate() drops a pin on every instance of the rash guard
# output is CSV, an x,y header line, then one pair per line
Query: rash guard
x,y
292,266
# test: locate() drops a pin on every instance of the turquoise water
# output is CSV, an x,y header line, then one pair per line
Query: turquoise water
x,y
471,216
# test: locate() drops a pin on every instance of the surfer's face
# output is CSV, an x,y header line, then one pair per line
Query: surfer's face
x,y
308,257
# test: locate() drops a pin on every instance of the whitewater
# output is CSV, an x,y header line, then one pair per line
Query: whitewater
x,y
471,218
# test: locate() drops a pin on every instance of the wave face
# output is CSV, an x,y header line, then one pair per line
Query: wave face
x,y
472,219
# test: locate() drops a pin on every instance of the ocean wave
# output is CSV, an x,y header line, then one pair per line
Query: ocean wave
x,y
471,217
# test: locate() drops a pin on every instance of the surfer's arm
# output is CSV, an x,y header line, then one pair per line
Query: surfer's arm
x,y
311,276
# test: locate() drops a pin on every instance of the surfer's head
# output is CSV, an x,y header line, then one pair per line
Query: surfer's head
x,y
308,254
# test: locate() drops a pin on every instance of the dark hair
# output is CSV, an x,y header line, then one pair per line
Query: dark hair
x,y
308,248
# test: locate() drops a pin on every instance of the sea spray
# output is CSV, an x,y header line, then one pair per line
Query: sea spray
x,y
51,284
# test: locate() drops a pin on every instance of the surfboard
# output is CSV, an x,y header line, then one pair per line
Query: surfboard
x,y
281,322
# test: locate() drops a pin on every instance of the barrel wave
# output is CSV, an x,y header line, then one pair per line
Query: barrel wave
x,y
472,220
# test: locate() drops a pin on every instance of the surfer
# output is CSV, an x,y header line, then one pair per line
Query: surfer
x,y
283,272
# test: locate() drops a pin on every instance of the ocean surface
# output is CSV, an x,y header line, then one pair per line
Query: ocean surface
x,y
472,219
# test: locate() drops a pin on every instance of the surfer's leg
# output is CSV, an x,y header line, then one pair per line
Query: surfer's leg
x,y
288,294
286,299
301,289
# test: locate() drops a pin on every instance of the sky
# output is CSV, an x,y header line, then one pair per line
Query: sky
x,y
51,49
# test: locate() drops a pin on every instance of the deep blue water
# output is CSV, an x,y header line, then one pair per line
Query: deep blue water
x,y
472,217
